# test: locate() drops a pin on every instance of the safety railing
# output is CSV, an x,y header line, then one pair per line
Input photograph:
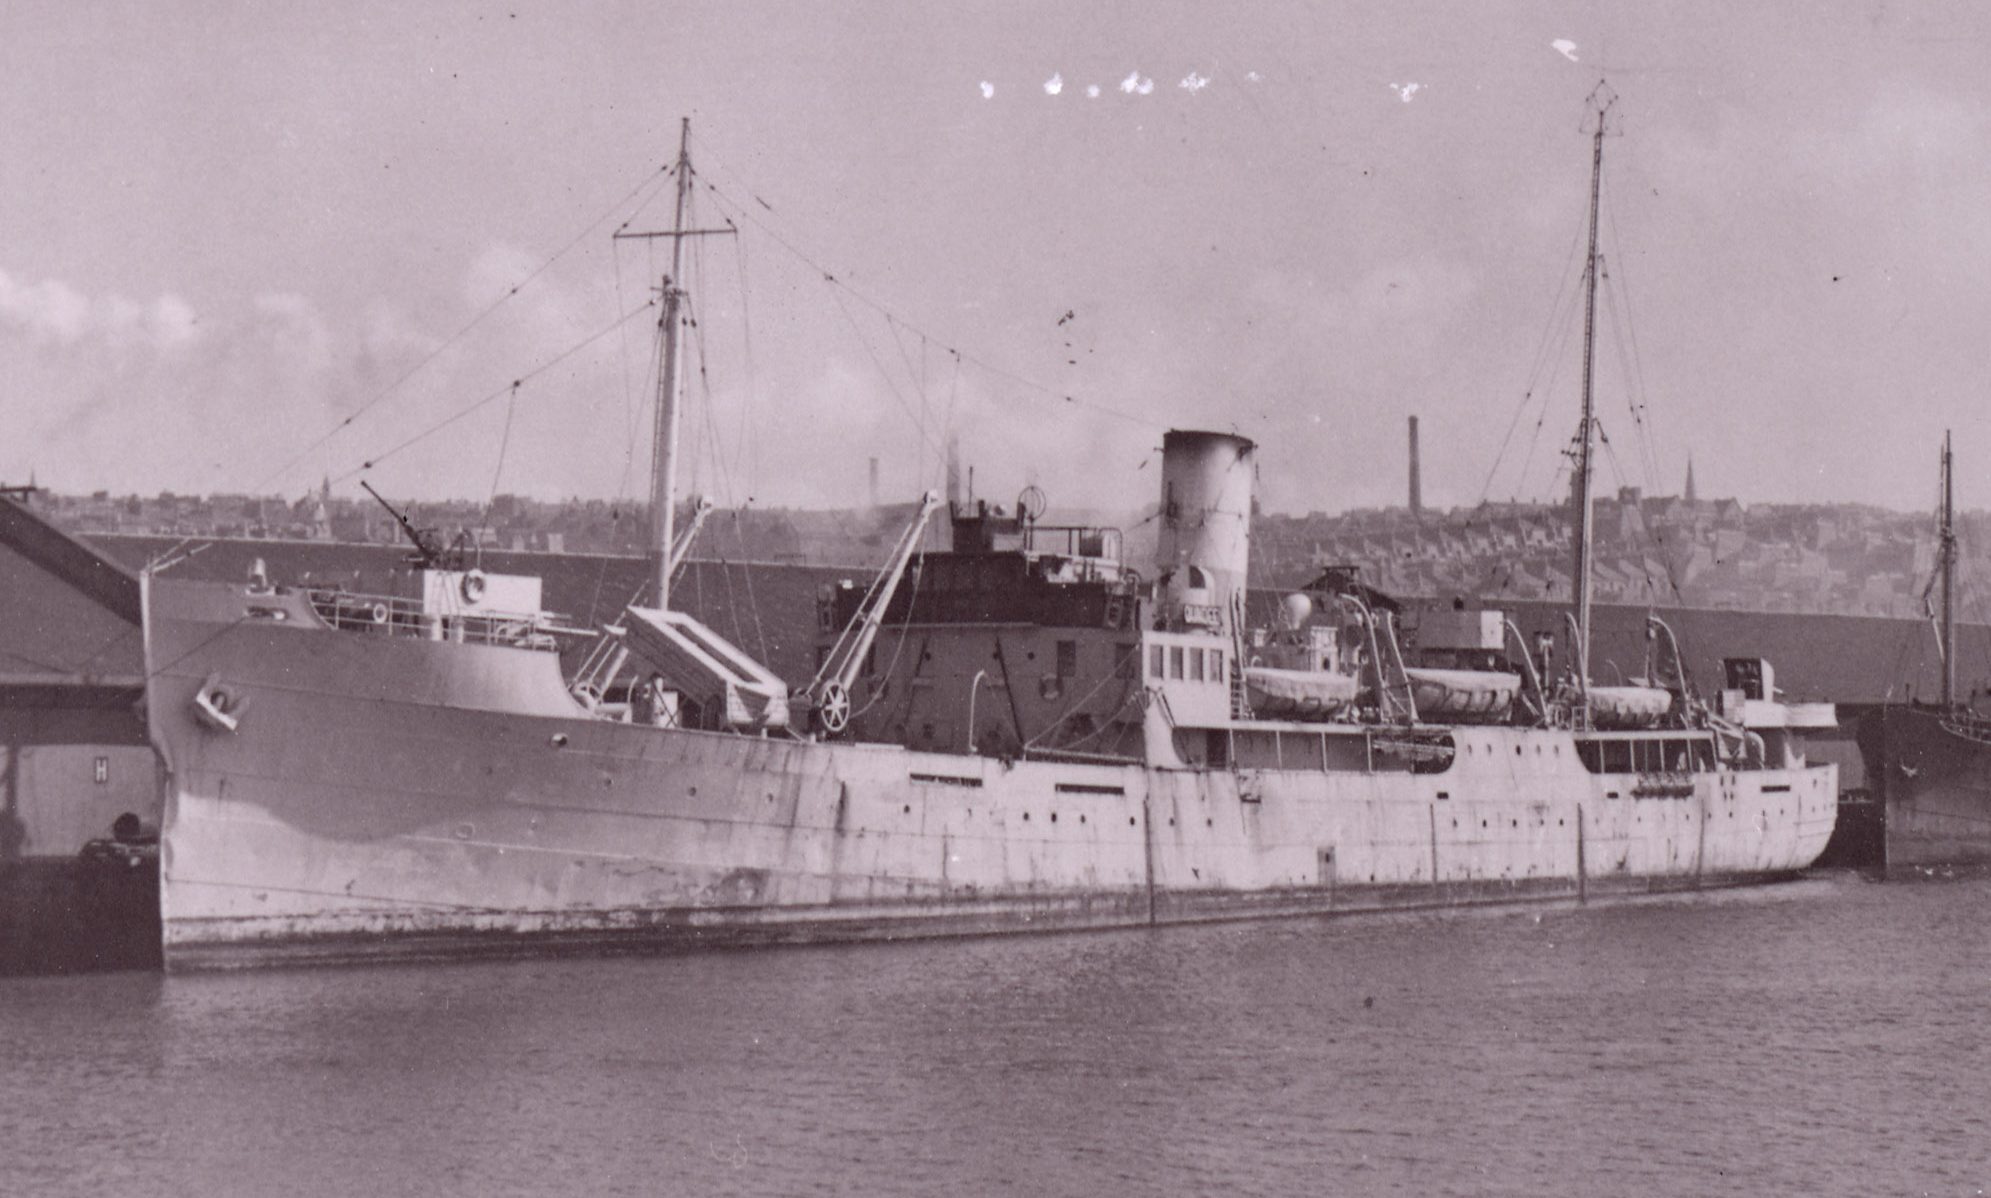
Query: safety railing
x,y
389,615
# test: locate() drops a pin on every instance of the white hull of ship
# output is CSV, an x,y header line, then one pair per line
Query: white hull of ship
x,y
384,797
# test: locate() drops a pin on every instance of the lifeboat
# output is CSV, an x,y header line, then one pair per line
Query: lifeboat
x,y
1462,694
1628,706
1298,694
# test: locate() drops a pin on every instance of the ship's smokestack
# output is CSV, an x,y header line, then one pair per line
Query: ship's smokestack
x,y
874,482
1205,545
956,500
1416,480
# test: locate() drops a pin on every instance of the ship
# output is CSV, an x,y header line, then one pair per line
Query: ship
x,y
1928,765
1023,733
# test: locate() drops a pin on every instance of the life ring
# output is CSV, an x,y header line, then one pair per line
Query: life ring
x,y
474,585
218,707
380,613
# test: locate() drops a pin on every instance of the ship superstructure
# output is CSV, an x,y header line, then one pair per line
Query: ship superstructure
x,y
1025,733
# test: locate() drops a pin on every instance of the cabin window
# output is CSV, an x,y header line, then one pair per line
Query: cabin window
x,y
1124,658
1617,757
1591,754
1067,659
1417,753
1255,750
1175,661
1197,579
1195,665
1154,661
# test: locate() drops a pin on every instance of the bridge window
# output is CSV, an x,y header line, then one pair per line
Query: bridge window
x,y
1612,756
1195,665
1154,661
1175,661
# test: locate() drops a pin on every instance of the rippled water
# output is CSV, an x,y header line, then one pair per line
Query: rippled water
x,y
1827,1036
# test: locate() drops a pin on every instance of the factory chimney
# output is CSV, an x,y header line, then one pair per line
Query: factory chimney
x,y
1416,486
874,482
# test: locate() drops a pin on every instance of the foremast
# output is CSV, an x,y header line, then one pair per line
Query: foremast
x,y
664,444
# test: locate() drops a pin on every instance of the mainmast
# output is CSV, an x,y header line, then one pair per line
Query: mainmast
x,y
664,446
1946,549
1580,486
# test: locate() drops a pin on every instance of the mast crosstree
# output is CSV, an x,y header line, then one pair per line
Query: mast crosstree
x,y
664,446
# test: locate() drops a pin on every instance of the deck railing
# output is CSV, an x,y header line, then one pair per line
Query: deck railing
x,y
389,615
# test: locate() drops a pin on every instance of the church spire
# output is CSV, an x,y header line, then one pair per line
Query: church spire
x,y
1691,497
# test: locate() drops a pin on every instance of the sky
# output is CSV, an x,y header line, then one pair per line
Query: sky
x,y
253,248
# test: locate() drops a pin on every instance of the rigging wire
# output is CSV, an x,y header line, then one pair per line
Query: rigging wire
x,y
1638,397
890,386
504,443
834,281
654,180
1555,335
498,394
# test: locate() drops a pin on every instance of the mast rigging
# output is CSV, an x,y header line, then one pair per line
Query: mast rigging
x,y
1581,485
664,444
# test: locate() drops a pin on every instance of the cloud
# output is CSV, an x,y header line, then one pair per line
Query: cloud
x,y
1135,85
1565,47
51,313
1054,85
1193,83
988,90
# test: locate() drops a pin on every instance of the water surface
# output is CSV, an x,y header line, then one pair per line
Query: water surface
x,y
1826,1036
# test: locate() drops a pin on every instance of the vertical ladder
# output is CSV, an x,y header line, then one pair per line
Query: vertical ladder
x,y
1240,694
